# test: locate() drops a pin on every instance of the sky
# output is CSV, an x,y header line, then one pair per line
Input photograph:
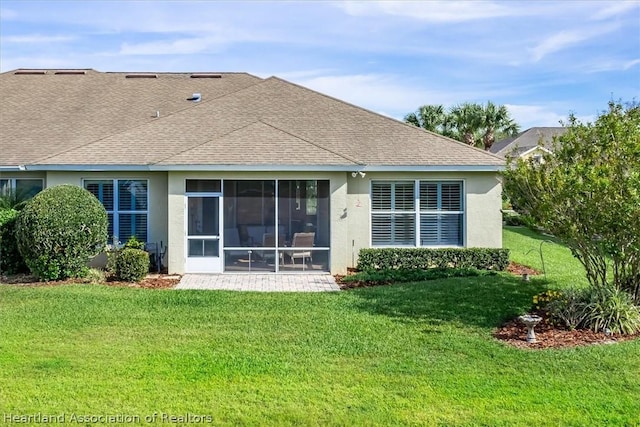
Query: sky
x,y
542,59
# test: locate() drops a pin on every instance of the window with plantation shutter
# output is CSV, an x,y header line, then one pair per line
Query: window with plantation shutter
x,y
126,203
393,214
441,213
422,213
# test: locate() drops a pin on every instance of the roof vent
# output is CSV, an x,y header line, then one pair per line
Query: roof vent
x,y
196,97
141,76
70,72
30,72
206,76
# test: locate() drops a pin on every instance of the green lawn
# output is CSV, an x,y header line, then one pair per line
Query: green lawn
x,y
417,354
561,268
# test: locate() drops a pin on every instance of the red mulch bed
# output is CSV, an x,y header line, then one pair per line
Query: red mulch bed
x,y
152,281
519,269
550,336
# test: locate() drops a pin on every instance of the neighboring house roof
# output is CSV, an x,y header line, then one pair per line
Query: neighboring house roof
x,y
525,141
89,119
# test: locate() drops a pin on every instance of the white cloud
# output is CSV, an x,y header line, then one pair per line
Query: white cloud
x,y
616,8
612,65
7,14
377,92
567,38
391,94
37,39
537,115
173,47
432,11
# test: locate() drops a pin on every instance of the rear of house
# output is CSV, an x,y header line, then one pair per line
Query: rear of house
x,y
233,173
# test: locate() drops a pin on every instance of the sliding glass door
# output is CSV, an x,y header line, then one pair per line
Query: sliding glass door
x,y
276,225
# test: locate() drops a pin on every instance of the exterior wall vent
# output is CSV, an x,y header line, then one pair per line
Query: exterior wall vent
x,y
70,72
196,97
141,76
31,72
206,76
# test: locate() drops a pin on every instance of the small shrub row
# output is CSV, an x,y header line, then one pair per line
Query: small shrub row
x,y
385,277
598,309
427,258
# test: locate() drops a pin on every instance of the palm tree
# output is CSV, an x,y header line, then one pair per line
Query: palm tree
x,y
466,118
433,118
496,119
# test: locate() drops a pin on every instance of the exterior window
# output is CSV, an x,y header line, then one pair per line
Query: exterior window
x,y
440,213
393,220
437,208
23,187
126,203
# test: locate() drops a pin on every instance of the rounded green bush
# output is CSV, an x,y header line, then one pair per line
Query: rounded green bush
x,y
131,265
60,230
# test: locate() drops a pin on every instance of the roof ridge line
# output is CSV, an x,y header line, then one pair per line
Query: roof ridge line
x,y
382,115
344,156
153,119
206,142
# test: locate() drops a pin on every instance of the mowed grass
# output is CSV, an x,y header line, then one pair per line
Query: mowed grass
x,y
561,268
413,354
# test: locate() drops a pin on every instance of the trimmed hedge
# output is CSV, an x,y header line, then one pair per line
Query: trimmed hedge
x,y
60,230
426,258
11,262
131,265
386,277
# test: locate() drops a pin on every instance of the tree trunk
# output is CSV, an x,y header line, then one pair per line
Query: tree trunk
x,y
488,139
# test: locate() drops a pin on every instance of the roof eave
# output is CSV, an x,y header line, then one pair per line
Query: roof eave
x,y
12,168
263,168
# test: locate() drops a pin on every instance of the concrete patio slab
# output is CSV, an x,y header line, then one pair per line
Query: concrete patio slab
x,y
260,282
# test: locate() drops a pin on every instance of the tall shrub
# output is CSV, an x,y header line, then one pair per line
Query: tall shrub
x,y
60,230
587,192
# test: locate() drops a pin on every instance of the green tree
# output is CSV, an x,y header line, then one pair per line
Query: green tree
x,y
433,118
588,194
472,123
466,119
496,119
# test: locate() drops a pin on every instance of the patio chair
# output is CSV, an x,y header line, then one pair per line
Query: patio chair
x,y
301,240
269,241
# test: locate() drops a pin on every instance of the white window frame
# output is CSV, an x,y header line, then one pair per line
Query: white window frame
x,y
115,212
417,212
461,213
393,211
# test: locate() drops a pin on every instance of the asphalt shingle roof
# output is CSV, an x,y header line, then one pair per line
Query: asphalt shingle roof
x,y
526,140
108,119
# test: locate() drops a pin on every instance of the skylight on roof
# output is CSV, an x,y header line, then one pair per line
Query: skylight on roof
x,y
141,76
206,76
31,72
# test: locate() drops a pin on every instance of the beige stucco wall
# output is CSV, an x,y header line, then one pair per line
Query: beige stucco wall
x,y
24,175
337,203
483,219
349,206
157,194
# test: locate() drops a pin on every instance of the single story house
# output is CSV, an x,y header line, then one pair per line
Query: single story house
x,y
235,173
531,143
